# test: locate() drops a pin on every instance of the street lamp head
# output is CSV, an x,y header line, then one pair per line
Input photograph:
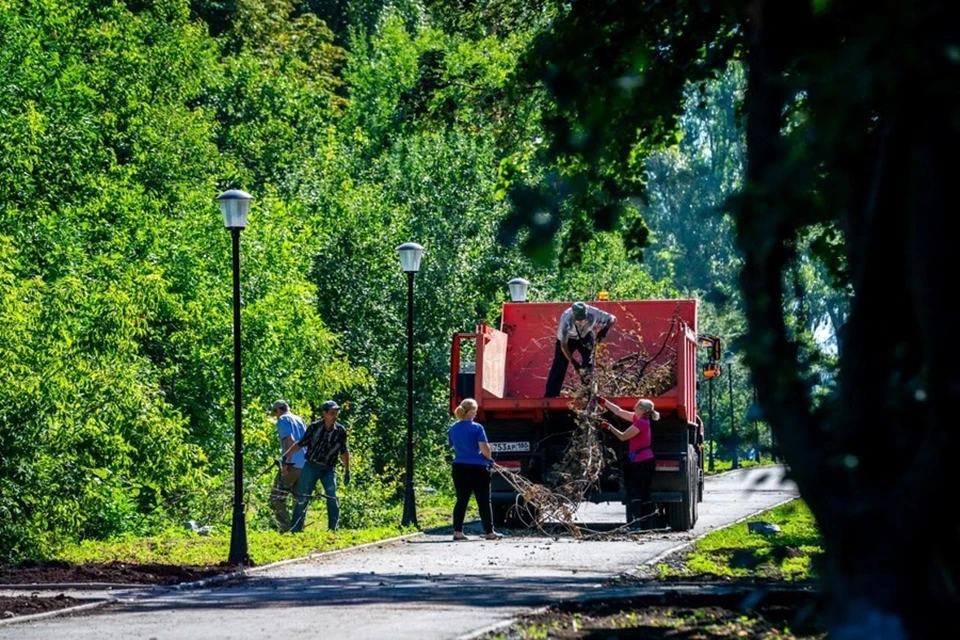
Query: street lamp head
x,y
410,254
728,358
518,289
235,205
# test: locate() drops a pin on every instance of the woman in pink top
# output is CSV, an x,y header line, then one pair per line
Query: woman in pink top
x,y
640,454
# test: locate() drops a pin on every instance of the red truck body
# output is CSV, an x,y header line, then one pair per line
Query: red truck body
x,y
508,379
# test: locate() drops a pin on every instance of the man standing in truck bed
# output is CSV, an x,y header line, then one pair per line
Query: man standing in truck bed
x,y
576,333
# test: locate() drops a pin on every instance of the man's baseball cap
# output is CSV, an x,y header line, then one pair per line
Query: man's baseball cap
x,y
329,405
279,405
579,311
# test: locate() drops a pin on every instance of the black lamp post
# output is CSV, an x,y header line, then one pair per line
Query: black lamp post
x,y
756,426
235,205
410,255
711,465
711,371
728,360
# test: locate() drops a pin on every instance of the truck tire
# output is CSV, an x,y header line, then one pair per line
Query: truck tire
x,y
682,516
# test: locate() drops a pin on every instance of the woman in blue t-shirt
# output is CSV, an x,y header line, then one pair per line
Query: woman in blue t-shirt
x,y
471,474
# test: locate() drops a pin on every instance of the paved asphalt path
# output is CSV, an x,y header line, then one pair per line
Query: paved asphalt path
x,y
422,587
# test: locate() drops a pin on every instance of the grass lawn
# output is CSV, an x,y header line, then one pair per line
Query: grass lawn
x,y
735,552
721,466
184,547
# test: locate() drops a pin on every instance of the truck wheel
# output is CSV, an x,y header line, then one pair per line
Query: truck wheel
x,y
682,516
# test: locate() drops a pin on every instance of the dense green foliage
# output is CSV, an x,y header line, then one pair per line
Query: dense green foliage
x,y
357,126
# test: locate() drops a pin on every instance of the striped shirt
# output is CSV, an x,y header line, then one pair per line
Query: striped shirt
x,y
323,446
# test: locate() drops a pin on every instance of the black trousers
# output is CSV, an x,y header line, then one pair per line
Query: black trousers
x,y
472,479
638,489
558,371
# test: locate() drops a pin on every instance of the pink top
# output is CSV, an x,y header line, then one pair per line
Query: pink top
x,y
640,444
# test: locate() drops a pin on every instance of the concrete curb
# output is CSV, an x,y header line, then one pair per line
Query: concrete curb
x,y
503,624
223,577
33,586
56,612
156,590
698,588
690,543
595,593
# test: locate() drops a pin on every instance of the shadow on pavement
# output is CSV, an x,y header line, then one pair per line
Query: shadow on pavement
x,y
352,589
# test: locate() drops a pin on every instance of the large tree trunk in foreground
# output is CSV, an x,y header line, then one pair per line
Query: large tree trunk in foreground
x,y
874,463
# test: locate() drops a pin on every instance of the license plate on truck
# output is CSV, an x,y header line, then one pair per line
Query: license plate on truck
x,y
509,447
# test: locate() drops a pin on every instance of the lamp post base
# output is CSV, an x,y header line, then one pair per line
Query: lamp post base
x,y
238,540
409,508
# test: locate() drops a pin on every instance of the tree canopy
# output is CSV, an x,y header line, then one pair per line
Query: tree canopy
x,y
469,127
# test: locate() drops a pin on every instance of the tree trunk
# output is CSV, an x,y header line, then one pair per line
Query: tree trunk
x,y
874,467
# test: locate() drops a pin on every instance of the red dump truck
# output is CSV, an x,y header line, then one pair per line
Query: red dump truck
x,y
505,370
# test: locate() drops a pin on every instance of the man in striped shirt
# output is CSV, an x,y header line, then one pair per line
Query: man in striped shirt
x,y
326,442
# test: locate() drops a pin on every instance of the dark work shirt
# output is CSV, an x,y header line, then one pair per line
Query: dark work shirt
x,y
323,446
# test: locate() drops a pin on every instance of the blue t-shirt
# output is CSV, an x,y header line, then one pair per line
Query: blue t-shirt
x,y
464,437
292,425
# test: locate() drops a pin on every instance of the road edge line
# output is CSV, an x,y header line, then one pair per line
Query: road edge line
x,y
692,541
64,586
223,577
496,626
158,590
56,612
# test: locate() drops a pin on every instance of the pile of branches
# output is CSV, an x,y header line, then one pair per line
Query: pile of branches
x,y
572,478
638,375
586,456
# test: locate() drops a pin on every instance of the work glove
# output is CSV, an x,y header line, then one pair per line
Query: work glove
x,y
346,477
604,425
602,402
